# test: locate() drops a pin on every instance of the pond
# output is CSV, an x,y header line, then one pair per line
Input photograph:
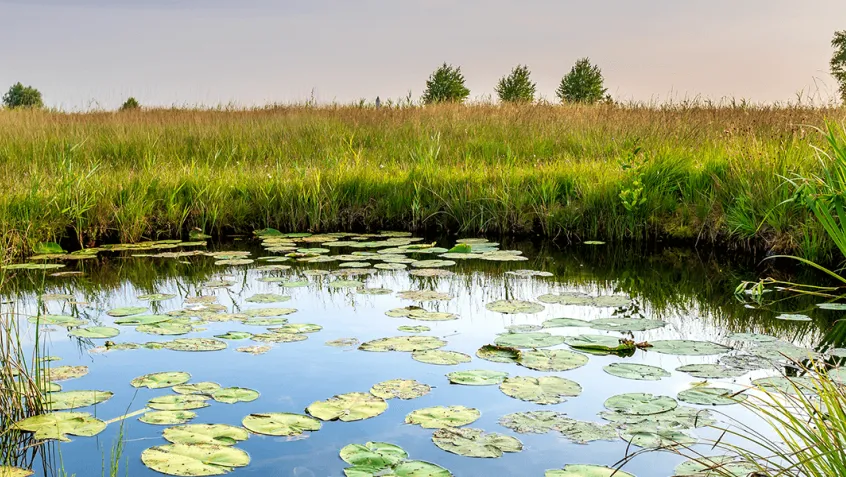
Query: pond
x,y
285,334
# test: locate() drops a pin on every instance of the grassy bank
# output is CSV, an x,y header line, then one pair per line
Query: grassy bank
x,y
701,174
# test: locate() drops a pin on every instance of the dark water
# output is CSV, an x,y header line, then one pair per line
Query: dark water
x,y
692,292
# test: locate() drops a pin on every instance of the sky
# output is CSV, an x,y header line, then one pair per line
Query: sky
x,y
85,54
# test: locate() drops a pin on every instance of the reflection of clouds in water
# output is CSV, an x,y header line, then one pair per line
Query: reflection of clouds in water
x,y
302,472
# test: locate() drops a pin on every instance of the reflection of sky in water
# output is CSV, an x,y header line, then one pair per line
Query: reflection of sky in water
x,y
292,375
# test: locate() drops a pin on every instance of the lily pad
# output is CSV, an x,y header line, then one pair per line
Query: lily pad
x,y
267,298
95,332
587,470
235,335
420,314
266,321
253,350
475,442
390,266
499,354
597,344
414,329
400,388
297,328
534,422
440,357
377,455
194,459
32,266
793,317
234,395
142,320
717,466
583,432
156,297
711,371
640,372
275,337
235,261
566,323
403,343
58,425
348,407
167,418
56,320
433,263
195,344
477,377
657,438
126,311
708,396
440,417
196,388
552,360
165,328
268,312
160,380
626,324
178,402
345,284
832,306
61,401
510,307
281,424
424,295
344,343
640,404
541,390
528,273
294,284
528,340
431,273
417,468
752,337
688,347
218,434
566,298
63,373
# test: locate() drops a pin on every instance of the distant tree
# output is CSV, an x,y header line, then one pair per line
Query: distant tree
x,y
446,85
838,61
20,96
517,87
130,104
583,84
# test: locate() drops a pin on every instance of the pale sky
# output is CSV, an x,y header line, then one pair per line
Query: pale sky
x,y
95,53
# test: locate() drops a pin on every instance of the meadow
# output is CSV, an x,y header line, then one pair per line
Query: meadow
x,y
697,174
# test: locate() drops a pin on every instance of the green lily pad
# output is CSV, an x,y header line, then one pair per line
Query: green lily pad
x,y
390,266
541,390
280,424
587,470
61,401
95,332
348,407
178,402
711,371
354,265
218,434
126,311
626,324
657,438
682,417
440,357
790,385
597,344
267,298
56,320
746,362
611,301
373,291
566,298
194,459
640,372
566,323
417,313
165,328
716,466
167,418
528,340
32,266
59,425
477,377
414,329
433,263
195,344
160,380
235,335
345,284
552,360
424,295
294,284
583,432
832,306
253,350
344,343
196,388
523,328
707,396
268,312
475,442
234,395
431,273
510,307
499,354
640,404
8,471
156,297
418,468
440,417
403,343
297,328
400,388
235,261
529,274
63,373
752,337
793,317
142,320
688,347
534,422
266,321
377,455
276,337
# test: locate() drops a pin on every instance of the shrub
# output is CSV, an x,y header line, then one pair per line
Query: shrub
x,y
517,87
20,96
583,84
130,104
446,85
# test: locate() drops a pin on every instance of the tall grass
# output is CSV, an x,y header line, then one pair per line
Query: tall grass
x,y
709,175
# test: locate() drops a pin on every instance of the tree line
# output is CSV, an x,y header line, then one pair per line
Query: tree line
x,y
583,84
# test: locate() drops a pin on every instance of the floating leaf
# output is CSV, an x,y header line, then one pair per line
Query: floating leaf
x,y
567,298
297,328
390,266
793,317
143,320
60,401
587,470
440,417
160,380
711,371
46,248
791,385
499,354
294,284
417,313
656,438
196,388
424,295
218,434
280,424
194,459
514,307
414,329
343,342
583,432
32,266
268,312
832,306
234,395
752,337
400,388
528,340
345,284
566,323
253,350
541,390
717,466
641,372
279,337
58,425
267,298
377,455
597,344
477,377
431,273
688,347
63,373
528,273
640,404
475,442
178,402
165,328
56,320
534,422
95,332
626,324
440,357
348,407
417,468
433,264
266,321
195,344
235,335
126,311
552,360
156,297
235,261
707,396
403,343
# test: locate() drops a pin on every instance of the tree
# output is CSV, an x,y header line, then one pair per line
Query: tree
x,y
838,61
20,96
583,84
130,104
445,85
517,87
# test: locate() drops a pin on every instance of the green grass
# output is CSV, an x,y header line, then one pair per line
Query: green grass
x,y
703,175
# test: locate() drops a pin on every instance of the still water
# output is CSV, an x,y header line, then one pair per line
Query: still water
x,y
693,294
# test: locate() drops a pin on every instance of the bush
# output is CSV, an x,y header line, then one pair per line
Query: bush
x,y
517,87
583,84
446,85
838,61
20,96
130,104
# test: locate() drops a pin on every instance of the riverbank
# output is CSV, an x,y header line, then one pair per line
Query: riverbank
x,y
692,174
